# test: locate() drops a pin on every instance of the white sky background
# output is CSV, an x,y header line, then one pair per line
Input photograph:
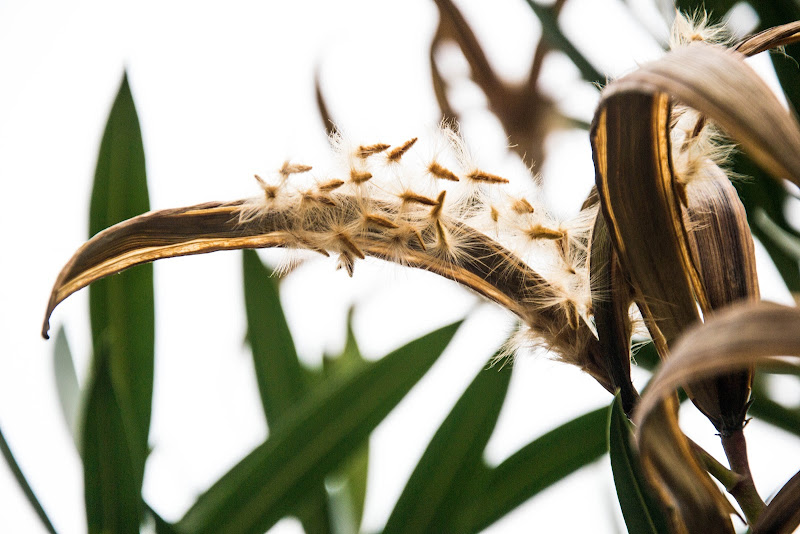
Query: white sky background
x,y
225,92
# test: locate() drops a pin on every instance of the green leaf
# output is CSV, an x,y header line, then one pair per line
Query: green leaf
x,y
433,495
640,510
537,466
279,374
350,479
23,484
117,416
69,392
323,431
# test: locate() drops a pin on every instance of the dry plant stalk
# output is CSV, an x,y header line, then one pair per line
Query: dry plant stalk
x,y
664,230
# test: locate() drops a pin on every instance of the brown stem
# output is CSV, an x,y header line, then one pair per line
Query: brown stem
x,y
744,491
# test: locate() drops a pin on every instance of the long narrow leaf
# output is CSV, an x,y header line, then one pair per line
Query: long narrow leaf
x,y
280,377
23,484
263,487
539,465
66,384
433,495
278,371
640,510
117,416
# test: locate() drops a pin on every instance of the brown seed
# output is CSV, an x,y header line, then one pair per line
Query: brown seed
x,y
359,177
441,233
494,214
480,176
308,196
410,196
542,232
270,191
330,185
437,209
379,220
365,151
349,245
442,173
522,206
293,168
399,151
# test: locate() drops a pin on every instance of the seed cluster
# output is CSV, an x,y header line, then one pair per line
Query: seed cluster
x,y
418,197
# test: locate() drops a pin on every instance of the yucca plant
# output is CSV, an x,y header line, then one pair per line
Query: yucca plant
x,y
662,247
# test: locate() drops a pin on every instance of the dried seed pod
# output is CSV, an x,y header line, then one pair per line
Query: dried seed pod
x,y
722,248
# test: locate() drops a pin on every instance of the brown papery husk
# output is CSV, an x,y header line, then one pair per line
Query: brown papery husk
x,y
611,299
635,181
724,254
718,83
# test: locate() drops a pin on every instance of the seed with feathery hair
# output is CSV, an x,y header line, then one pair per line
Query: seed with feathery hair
x,y
330,185
522,206
437,209
365,151
293,168
359,177
379,220
398,152
410,196
441,172
480,176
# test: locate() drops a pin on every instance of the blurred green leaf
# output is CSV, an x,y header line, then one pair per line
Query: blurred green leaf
x,y
279,374
117,416
69,392
23,484
640,510
444,476
323,431
771,412
278,371
112,485
763,195
350,478
537,466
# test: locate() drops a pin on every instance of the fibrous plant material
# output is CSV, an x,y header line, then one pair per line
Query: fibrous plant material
x,y
423,203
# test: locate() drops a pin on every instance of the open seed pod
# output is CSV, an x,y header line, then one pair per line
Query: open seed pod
x,y
680,231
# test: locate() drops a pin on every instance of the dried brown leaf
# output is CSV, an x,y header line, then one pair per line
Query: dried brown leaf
x,y
770,38
693,500
738,337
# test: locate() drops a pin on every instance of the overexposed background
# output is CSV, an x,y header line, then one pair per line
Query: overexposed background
x,y
227,91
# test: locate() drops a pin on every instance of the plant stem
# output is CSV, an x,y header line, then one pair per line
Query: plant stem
x,y
726,477
744,491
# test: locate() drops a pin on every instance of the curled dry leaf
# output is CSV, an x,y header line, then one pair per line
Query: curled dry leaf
x,y
782,515
739,337
745,334
718,83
